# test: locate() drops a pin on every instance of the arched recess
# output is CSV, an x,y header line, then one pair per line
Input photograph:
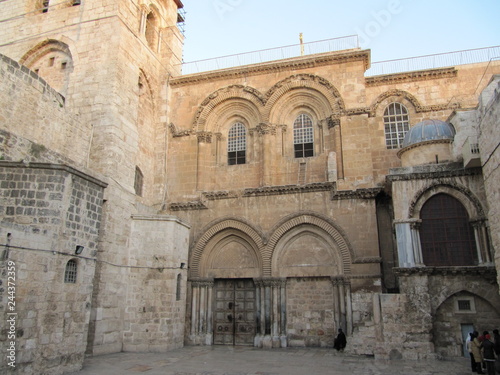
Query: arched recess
x,y
485,289
315,91
52,60
220,118
323,241
463,311
464,195
247,98
233,241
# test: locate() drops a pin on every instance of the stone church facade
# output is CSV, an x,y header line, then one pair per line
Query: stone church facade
x,y
143,209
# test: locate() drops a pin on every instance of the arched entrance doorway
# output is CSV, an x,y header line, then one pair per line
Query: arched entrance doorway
x,y
291,290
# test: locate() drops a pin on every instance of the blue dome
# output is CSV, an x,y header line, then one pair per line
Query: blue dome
x,y
428,130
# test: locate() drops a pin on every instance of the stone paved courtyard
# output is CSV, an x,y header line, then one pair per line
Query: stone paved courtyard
x,y
223,360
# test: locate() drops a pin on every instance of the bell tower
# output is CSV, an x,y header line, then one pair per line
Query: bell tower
x,y
110,61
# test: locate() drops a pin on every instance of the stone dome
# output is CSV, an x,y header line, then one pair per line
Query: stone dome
x,y
428,130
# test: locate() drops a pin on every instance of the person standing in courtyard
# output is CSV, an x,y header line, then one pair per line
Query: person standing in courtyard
x,y
489,354
476,352
340,341
469,349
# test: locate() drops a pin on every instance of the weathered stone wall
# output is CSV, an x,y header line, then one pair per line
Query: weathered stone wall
x,y
489,138
310,320
46,211
49,126
156,285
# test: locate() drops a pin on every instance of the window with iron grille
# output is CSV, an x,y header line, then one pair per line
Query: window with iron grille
x,y
70,271
303,136
396,124
464,305
237,144
446,235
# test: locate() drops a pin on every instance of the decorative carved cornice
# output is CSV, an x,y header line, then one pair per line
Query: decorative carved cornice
x,y
295,63
265,128
270,282
332,121
421,75
216,195
187,206
365,260
201,283
483,271
356,111
204,137
356,194
340,280
176,133
289,189
446,172
363,277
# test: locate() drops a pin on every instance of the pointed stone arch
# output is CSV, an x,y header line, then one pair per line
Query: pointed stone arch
x,y
330,230
315,85
464,195
244,94
53,61
488,293
216,233
400,95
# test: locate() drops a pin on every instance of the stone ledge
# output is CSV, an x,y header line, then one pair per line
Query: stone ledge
x,y
488,271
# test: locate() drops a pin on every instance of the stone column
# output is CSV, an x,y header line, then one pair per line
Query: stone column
x,y
408,243
194,308
265,130
482,242
283,334
348,306
201,312
204,144
416,245
342,309
336,303
272,304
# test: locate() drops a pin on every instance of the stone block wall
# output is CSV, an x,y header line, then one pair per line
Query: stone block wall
x,y
488,114
156,291
46,211
310,320
49,126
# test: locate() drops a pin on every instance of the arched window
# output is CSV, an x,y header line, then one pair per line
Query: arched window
x,y
303,136
446,234
152,30
237,144
396,123
70,271
139,181
178,288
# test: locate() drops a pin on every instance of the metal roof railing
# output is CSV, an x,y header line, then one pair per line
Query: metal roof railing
x,y
435,61
271,54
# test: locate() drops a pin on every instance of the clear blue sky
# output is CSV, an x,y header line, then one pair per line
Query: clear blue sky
x,y
392,29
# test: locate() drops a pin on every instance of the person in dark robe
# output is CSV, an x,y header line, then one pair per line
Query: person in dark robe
x,y
340,341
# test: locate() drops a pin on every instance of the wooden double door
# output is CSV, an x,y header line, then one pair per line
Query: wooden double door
x,y
235,317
